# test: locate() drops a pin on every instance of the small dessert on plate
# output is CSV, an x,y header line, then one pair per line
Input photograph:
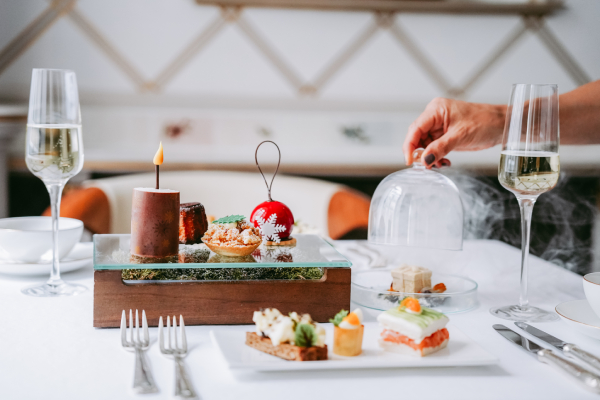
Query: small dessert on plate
x,y
410,329
192,223
232,236
292,337
410,279
348,333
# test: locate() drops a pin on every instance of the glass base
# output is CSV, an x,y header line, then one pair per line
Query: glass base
x,y
523,314
54,290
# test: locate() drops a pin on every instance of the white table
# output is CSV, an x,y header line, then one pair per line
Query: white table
x,y
49,350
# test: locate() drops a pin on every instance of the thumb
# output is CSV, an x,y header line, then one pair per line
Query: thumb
x,y
439,148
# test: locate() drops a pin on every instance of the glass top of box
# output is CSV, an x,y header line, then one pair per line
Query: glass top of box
x,y
112,252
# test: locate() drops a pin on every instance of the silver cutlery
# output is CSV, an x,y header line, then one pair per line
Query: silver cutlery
x,y
569,349
143,382
177,351
586,378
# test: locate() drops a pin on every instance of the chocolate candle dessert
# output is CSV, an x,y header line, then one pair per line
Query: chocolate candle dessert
x,y
192,223
154,225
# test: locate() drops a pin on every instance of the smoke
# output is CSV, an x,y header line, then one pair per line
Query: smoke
x,y
562,222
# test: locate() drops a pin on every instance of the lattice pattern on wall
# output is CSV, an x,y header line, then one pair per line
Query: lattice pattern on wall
x,y
385,21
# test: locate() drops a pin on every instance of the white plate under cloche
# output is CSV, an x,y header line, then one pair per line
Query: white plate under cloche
x,y
578,314
79,257
461,351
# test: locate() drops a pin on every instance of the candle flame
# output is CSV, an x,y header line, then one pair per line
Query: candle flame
x,y
158,157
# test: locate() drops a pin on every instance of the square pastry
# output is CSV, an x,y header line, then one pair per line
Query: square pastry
x,y
411,279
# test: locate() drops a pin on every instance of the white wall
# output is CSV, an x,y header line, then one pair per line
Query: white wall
x,y
230,93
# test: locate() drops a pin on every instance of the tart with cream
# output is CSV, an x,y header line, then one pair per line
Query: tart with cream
x,y
410,329
294,337
348,333
232,236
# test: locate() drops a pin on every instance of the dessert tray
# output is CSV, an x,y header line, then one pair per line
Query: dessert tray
x,y
371,289
111,252
461,351
310,277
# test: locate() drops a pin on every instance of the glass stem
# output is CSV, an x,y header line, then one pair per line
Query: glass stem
x,y
526,205
55,191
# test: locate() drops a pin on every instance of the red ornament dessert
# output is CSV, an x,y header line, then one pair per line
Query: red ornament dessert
x,y
154,225
274,219
192,223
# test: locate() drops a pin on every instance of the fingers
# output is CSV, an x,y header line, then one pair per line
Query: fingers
x,y
443,163
411,143
429,120
438,149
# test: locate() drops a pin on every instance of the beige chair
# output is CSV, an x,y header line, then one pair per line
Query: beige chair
x,y
104,205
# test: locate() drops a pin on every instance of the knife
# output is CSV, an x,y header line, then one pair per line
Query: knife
x,y
569,349
586,378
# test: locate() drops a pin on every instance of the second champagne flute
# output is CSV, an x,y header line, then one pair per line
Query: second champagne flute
x,y
529,166
54,153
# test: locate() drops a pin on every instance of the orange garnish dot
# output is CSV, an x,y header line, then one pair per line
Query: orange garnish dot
x,y
439,288
352,319
411,303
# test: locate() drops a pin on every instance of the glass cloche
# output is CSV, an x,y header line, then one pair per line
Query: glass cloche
x,y
417,207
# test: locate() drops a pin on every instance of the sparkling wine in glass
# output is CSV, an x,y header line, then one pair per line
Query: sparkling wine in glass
x,y
54,153
529,166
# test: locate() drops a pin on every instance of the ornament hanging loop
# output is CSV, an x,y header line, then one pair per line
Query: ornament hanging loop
x,y
269,186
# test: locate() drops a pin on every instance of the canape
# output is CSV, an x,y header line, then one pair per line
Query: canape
x,y
293,337
348,333
232,236
410,329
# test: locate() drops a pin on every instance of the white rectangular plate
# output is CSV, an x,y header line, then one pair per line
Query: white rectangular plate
x,y
461,351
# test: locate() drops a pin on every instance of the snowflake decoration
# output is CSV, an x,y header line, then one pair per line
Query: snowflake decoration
x,y
269,229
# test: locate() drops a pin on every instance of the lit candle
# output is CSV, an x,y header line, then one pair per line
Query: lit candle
x,y
155,222
158,160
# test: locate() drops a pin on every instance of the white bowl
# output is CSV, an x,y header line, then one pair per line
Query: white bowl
x,y
591,287
29,239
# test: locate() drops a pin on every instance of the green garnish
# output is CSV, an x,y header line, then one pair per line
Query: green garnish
x,y
305,335
223,274
339,317
230,219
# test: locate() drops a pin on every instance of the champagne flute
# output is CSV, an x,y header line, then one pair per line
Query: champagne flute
x,y
529,166
54,153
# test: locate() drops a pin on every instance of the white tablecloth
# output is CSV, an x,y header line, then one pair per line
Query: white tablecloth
x,y
49,350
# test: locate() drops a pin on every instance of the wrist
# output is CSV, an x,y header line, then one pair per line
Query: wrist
x,y
498,122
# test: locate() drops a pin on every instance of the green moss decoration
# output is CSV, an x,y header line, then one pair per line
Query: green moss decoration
x,y
190,255
222,274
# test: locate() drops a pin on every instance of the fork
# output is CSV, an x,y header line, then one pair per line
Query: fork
x,y
183,386
143,382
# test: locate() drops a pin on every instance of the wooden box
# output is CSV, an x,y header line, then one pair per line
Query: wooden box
x,y
219,302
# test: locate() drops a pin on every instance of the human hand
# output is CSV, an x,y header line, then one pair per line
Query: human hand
x,y
448,125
